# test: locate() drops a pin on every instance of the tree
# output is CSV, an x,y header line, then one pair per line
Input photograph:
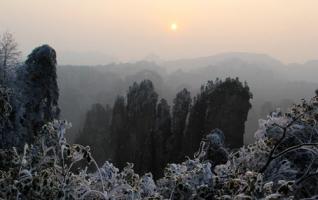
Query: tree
x,y
96,131
9,53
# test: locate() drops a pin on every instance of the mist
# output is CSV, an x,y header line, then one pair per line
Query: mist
x,y
169,99
272,83
283,29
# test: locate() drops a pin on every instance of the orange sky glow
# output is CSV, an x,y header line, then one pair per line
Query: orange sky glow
x,y
131,29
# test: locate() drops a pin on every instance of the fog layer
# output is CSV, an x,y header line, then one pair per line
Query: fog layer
x,y
273,84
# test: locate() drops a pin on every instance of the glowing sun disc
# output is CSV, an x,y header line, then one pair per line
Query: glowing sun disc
x,y
174,27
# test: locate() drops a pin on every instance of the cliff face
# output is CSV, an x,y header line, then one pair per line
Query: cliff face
x,y
220,104
151,134
33,98
227,109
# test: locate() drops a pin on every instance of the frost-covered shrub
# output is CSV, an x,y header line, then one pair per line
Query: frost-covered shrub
x,y
212,148
282,166
46,170
186,180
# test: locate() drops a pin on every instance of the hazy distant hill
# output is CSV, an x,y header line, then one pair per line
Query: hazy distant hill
x,y
307,71
84,58
270,81
195,63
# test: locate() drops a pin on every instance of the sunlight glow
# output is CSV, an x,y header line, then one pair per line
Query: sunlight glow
x,y
174,27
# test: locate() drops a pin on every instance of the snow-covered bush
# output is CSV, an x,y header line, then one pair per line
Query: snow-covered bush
x,y
281,164
186,180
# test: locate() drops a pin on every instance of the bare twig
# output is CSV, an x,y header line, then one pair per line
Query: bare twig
x,y
271,154
294,148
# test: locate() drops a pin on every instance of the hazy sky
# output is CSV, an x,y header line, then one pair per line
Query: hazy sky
x,y
131,29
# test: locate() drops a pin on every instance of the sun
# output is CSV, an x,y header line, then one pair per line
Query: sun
x,y
174,27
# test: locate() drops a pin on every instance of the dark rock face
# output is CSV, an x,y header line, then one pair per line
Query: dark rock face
x,y
223,105
34,98
162,132
180,112
119,134
228,107
141,110
40,88
144,132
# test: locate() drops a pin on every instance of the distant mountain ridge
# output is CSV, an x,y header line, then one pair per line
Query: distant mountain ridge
x,y
251,58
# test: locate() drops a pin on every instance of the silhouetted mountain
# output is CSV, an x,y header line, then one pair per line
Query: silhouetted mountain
x,y
219,59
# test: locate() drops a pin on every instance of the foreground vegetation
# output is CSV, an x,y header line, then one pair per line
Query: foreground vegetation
x,y
281,164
